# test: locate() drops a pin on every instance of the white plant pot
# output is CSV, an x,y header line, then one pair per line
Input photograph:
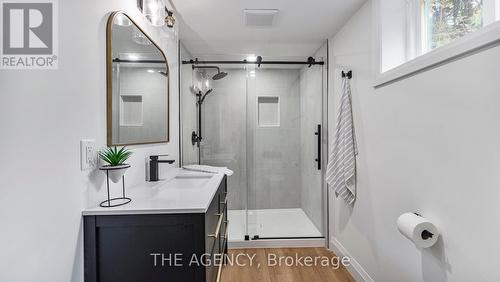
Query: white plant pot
x,y
115,173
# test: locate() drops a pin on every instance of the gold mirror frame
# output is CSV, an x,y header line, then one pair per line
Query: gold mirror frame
x,y
109,82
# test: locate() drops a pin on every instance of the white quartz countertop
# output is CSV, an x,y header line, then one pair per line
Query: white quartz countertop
x,y
185,192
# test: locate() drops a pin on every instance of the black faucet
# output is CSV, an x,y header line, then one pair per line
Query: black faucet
x,y
153,166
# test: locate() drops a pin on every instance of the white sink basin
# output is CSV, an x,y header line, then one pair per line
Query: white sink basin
x,y
184,186
187,181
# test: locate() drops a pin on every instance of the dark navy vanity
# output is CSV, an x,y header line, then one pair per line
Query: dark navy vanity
x,y
142,243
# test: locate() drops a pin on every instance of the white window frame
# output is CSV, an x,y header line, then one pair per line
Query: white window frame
x,y
417,62
414,27
491,11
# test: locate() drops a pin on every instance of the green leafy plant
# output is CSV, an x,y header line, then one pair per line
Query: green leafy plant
x,y
115,157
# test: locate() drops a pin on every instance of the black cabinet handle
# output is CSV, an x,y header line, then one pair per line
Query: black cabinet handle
x,y
318,158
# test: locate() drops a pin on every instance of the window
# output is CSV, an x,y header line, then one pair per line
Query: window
x,y
447,20
412,28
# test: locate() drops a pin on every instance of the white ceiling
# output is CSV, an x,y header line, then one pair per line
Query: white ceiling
x,y
216,27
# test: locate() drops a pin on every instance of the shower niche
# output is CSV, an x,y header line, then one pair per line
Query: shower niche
x,y
268,111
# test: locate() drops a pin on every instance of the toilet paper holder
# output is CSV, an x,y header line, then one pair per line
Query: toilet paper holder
x,y
426,234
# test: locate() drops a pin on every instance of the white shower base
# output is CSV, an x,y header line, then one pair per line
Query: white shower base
x,y
272,223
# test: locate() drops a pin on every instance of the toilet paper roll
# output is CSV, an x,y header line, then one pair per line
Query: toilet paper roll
x,y
418,229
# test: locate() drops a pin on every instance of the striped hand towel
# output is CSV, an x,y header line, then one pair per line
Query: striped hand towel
x,y
341,169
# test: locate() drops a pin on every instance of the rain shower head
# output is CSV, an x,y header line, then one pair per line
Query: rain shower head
x,y
217,76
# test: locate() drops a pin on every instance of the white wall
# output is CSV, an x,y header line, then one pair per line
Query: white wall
x,y
429,144
43,116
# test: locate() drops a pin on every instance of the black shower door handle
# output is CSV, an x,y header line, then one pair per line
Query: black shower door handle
x,y
318,135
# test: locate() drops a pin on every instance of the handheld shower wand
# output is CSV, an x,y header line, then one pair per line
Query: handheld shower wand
x,y
196,138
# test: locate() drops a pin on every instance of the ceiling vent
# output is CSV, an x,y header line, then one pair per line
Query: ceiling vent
x,y
260,17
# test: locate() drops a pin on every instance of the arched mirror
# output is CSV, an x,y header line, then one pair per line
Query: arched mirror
x,y
137,75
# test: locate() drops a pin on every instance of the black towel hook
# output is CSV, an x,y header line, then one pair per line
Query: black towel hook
x,y
347,74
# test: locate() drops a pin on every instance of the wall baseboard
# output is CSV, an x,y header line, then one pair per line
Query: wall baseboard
x,y
356,270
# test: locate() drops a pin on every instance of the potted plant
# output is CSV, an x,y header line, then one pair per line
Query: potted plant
x,y
115,159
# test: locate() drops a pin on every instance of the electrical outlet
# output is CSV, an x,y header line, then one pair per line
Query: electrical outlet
x,y
88,154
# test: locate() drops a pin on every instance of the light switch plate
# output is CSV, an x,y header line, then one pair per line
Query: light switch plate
x,y
88,154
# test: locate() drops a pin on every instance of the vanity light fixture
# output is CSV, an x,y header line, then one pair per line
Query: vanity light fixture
x,y
157,13
154,11
169,19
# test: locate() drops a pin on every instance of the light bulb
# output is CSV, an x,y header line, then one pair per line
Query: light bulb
x,y
251,58
154,11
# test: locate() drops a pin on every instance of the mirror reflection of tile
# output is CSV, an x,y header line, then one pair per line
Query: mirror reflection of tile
x,y
131,110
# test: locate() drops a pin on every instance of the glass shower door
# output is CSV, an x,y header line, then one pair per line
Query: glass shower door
x,y
284,117
224,141
261,122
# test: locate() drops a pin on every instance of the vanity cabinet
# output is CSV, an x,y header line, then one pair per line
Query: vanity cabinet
x,y
157,247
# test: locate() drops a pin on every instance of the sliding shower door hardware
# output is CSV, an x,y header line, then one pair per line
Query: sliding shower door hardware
x,y
195,139
308,62
318,134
